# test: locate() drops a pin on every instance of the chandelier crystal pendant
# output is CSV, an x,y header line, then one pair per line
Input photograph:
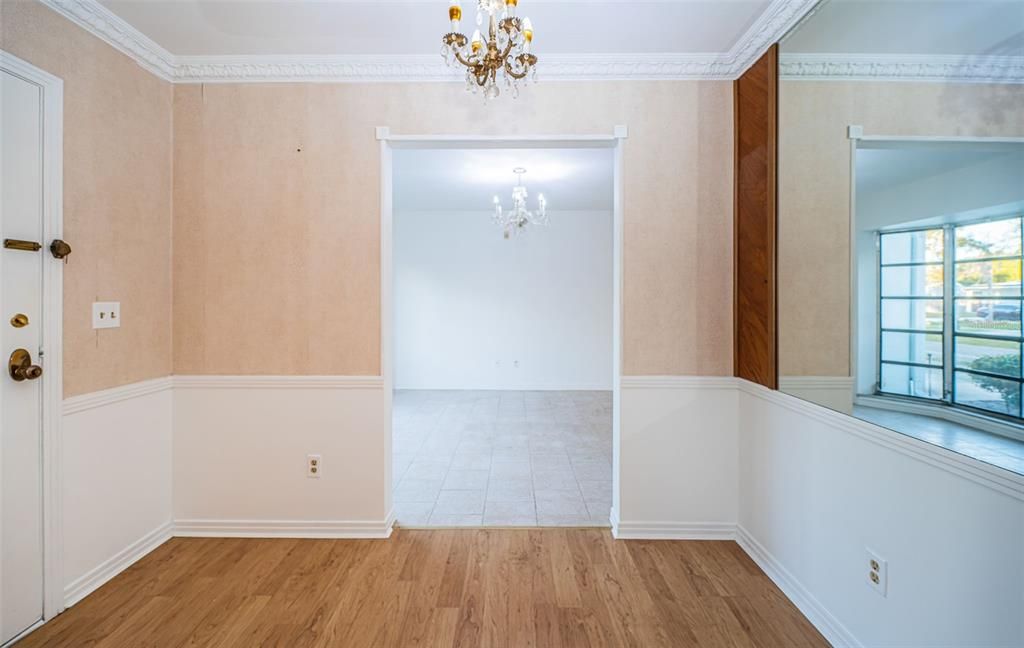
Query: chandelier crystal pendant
x,y
506,50
517,218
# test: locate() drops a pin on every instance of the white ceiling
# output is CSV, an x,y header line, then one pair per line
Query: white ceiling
x,y
468,179
888,164
954,27
403,27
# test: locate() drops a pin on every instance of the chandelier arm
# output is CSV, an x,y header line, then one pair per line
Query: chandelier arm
x,y
512,73
467,62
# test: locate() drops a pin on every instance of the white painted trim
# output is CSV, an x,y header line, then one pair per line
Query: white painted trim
x,y
92,400
51,355
901,67
997,479
341,529
117,563
674,531
388,142
828,625
678,382
818,383
95,18
278,382
104,24
945,412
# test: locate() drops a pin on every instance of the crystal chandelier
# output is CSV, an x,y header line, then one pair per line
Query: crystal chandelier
x,y
507,49
517,218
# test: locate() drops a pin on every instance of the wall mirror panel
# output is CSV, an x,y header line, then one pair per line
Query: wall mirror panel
x,y
900,207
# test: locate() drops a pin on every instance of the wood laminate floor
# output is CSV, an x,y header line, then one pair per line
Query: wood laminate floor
x,y
437,588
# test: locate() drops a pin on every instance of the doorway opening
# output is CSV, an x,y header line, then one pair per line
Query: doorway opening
x,y
501,329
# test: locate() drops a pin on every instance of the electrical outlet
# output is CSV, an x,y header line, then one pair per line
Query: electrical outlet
x,y
314,466
877,572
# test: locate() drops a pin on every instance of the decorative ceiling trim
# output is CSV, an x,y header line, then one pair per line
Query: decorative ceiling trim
x,y
92,16
96,19
902,67
769,28
429,68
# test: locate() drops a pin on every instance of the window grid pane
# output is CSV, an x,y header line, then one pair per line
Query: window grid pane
x,y
987,339
984,370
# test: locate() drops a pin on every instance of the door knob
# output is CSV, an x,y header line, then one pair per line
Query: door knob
x,y
21,366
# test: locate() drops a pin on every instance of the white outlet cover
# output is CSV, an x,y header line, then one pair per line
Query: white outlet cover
x,y
882,572
106,315
311,461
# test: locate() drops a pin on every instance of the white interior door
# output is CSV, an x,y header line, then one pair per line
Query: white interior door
x,y
21,294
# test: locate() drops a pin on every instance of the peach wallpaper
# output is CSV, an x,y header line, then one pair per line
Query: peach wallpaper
x,y
814,193
117,197
276,216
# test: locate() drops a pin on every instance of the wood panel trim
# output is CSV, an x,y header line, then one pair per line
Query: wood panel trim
x,y
755,342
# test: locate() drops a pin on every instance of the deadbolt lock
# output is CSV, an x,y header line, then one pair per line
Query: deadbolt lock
x,y
19,320
21,367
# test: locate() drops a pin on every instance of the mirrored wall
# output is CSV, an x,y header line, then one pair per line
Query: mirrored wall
x,y
900,207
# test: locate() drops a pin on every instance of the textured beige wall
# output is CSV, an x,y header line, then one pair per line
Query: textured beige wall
x,y
814,193
276,216
117,197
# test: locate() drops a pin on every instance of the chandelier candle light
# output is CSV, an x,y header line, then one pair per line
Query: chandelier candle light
x,y
507,49
513,221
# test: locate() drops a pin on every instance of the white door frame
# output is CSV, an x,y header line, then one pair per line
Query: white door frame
x,y
388,143
51,353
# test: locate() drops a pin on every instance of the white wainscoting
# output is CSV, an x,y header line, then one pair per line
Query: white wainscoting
x,y
240,447
116,481
678,458
803,489
817,489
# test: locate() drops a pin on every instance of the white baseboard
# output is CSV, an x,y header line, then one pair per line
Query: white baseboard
x,y
91,581
339,529
829,626
673,531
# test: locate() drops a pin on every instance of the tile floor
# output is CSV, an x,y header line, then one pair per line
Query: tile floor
x,y
502,458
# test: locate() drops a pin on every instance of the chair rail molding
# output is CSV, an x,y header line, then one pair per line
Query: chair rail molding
x,y
777,18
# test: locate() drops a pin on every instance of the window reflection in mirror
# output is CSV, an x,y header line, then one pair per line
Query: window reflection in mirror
x,y
901,219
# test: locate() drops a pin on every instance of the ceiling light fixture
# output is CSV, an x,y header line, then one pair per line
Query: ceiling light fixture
x,y
506,50
513,221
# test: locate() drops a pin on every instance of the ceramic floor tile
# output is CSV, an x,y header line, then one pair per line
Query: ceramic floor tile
x,y
455,520
460,502
510,514
413,513
512,458
459,479
510,490
417,490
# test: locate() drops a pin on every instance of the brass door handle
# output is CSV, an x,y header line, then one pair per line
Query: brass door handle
x,y
21,367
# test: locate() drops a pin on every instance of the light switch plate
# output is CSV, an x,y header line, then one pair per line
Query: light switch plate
x,y
106,315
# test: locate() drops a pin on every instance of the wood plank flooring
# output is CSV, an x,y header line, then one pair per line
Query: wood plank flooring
x,y
437,588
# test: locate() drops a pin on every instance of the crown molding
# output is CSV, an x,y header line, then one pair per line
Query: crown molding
x,y
902,67
95,18
769,28
99,21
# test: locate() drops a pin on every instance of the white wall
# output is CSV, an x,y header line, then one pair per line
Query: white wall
x,y
678,456
818,488
116,480
240,448
470,304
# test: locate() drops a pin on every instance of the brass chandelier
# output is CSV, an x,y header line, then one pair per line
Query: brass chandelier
x,y
506,51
